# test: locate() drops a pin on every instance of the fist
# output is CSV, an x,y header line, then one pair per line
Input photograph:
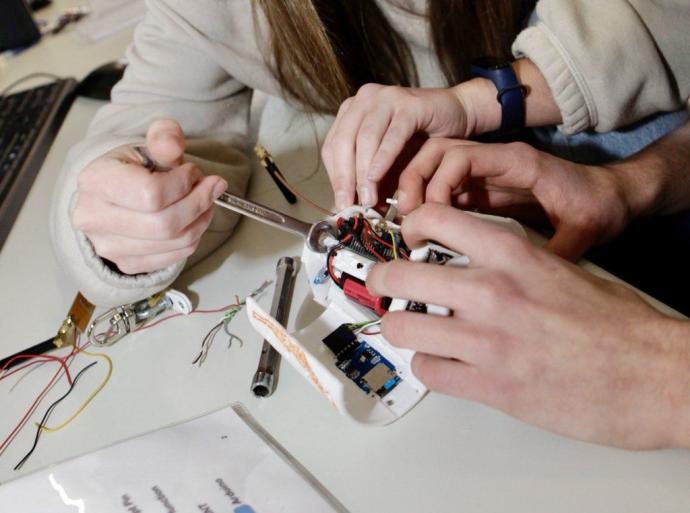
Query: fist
x,y
144,220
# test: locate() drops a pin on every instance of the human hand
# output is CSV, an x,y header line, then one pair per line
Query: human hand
x,y
537,337
587,205
143,220
372,128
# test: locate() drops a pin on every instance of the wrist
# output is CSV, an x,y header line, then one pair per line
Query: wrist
x,y
639,185
477,98
541,108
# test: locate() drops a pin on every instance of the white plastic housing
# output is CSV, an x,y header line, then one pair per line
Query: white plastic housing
x,y
307,353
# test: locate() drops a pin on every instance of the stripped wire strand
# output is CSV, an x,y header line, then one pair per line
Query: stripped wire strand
x,y
228,316
362,327
206,344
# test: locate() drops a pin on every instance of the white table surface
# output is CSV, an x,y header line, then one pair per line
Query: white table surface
x,y
447,455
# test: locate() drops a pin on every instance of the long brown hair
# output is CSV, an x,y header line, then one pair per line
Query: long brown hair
x,y
322,51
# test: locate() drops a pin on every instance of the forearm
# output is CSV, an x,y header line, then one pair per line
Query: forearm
x,y
173,73
676,334
656,181
478,96
611,63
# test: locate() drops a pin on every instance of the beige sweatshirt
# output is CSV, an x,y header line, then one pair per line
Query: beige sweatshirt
x,y
608,63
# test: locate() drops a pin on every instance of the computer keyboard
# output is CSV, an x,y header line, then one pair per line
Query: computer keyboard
x,y
29,121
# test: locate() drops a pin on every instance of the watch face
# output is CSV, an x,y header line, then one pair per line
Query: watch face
x,y
491,63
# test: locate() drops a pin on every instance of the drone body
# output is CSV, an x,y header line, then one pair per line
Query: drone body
x,y
342,353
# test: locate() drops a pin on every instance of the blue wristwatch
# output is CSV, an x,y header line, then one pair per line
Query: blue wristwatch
x,y
511,94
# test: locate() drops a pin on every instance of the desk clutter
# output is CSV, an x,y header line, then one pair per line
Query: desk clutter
x,y
365,377
224,461
79,332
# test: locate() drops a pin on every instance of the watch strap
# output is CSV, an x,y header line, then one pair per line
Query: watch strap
x,y
511,95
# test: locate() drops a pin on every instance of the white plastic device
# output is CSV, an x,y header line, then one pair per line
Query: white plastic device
x,y
386,389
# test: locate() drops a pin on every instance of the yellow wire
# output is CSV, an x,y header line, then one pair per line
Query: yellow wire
x,y
395,246
88,399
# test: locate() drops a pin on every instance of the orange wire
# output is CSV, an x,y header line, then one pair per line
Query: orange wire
x,y
301,196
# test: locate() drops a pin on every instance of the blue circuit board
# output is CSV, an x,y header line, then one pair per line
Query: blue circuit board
x,y
369,370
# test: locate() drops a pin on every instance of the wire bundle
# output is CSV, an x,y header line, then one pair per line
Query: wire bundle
x,y
65,362
363,328
358,235
229,313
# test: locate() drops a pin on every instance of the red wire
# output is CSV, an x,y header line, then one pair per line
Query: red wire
x,y
37,401
31,409
64,367
330,269
365,241
214,310
45,357
370,230
25,366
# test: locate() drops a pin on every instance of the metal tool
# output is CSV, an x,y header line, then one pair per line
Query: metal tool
x,y
148,162
263,382
315,234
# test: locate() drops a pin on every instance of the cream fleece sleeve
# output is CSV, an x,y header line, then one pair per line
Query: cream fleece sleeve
x,y
171,73
610,63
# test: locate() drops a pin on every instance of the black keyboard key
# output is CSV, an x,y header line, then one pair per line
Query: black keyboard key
x,y
29,121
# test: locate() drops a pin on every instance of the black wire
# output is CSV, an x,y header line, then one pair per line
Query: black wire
x,y
39,349
47,413
208,339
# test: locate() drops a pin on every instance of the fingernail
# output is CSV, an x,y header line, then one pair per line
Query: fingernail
x,y
341,200
220,187
366,198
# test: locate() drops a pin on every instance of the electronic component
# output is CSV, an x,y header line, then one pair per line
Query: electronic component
x,y
431,254
357,291
361,363
270,166
342,342
75,323
365,377
337,256
377,241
